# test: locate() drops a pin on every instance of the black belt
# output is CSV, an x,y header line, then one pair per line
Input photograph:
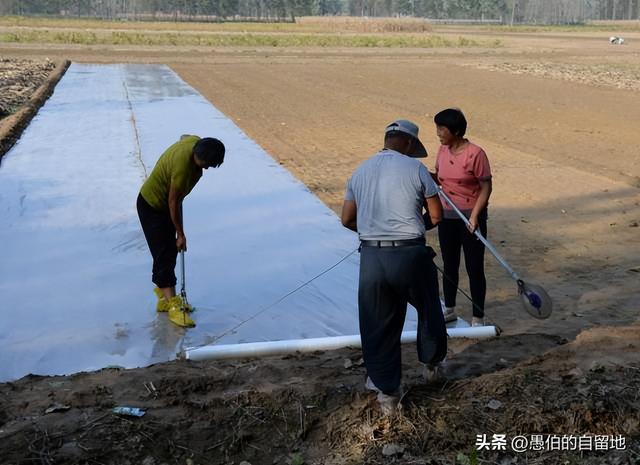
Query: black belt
x,y
400,243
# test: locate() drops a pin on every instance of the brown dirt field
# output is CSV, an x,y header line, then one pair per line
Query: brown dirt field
x,y
562,138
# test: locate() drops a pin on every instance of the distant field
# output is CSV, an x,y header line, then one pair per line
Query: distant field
x,y
309,32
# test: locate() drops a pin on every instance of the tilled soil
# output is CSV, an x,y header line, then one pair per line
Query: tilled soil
x,y
606,75
26,85
19,79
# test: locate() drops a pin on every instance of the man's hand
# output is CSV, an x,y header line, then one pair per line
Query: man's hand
x,y
349,215
175,211
181,243
433,214
428,225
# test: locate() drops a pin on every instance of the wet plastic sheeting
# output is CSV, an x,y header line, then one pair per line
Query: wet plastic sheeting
x,y
75,272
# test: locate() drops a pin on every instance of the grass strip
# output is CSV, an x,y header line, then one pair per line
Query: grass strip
x,y
241,39
325,25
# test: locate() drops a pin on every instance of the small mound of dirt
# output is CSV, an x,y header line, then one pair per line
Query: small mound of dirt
x,y
586,390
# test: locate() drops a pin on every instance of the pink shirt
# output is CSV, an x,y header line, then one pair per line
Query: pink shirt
x,y
460,176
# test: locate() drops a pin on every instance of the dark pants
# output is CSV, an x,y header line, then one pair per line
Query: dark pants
x,y
161,238
389,278
454,235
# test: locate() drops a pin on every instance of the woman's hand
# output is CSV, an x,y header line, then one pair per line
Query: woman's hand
x,y
473,224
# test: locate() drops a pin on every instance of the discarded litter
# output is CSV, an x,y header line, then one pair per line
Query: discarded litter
x,y
57,408
390,450
151,389
129,411
494,404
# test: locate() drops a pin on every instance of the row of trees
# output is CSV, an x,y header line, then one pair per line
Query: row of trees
x,y
436,9
510,11
574,11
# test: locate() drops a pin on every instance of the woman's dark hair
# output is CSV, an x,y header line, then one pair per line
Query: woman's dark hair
x,y
453,119
210,150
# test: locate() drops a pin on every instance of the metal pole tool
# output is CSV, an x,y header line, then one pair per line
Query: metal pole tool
x,y
535,299
183,292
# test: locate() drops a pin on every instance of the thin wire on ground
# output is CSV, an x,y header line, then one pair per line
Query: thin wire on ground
x,y
217,338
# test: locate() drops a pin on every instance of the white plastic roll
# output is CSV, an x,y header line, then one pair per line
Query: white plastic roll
x,y
262,349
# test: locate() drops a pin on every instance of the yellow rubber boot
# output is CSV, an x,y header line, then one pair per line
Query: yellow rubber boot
x,y
158,292
163,303
177,315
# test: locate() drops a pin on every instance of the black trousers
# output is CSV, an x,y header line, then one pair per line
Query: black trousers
x,y
161,237
389,278
454,235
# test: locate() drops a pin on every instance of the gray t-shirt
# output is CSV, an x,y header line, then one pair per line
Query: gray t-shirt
x,y
389,190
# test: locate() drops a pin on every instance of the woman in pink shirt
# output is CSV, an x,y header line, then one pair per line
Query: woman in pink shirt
x,y
462,169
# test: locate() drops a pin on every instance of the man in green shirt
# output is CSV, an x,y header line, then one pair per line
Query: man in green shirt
x,y
160,211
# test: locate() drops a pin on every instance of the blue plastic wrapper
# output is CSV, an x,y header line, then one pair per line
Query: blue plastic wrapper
x,y
129,411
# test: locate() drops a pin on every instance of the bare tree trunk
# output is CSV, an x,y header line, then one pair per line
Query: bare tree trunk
x,y
513,11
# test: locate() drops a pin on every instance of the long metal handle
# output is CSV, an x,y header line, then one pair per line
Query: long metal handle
x,y
487,244
182,274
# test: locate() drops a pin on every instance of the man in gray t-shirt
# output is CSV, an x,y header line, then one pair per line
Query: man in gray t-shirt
x,y
391,189
383,203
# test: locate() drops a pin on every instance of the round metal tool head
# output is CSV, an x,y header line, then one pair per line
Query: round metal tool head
x,y
535,300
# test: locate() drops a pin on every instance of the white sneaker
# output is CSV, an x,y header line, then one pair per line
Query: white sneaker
x,y
450,314
389,403
370,386
431,373
476,321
